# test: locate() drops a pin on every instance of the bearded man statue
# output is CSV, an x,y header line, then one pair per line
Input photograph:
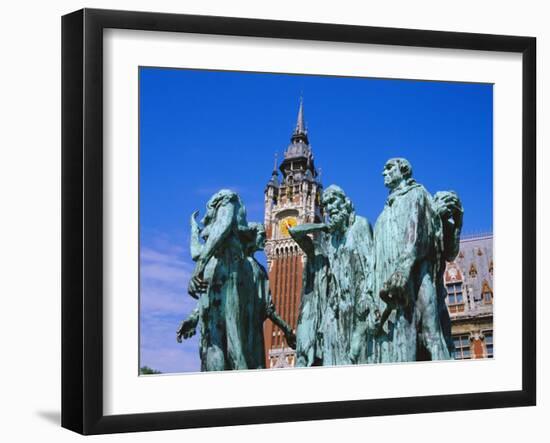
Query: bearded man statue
x,y
336,297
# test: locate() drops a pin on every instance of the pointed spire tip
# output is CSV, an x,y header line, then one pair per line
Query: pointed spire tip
x,y
275,163
300,122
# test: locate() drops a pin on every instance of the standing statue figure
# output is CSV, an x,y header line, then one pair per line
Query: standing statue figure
x,y
220,266
335,296
412,238
260,306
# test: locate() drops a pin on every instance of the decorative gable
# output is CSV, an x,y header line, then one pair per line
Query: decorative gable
x,y
452,273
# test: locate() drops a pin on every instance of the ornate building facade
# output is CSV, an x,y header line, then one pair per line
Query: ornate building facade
x,y
470,297
292,197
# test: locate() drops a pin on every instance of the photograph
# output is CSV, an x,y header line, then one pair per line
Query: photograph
x,y
291,221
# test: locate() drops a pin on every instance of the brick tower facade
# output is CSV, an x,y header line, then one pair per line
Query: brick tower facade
x,y
292,197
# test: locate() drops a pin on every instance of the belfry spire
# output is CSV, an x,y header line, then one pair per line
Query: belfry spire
x,y
300,124
300,132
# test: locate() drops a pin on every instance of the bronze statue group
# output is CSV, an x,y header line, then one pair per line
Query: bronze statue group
x,y
368,296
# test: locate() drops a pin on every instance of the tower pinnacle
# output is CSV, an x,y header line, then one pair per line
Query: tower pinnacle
x,y
300,132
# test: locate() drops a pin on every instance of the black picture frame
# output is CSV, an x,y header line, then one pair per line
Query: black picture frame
x,y
82,215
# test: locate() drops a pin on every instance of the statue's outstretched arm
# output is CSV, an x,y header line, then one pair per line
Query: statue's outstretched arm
x,y
300,235
196,245
273,315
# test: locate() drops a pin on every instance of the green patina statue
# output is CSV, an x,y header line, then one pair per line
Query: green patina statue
x,y
366,298
232,288
220,265
413,237
336,295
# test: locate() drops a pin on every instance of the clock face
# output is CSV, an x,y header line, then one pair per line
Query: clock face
x,y
286,223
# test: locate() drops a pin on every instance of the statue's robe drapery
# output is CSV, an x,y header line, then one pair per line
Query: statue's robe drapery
x,y
221,307
255,305
408,239
256,310
350,258
309,338
334,298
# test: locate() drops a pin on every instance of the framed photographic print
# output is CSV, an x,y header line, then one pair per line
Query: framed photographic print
x,y
269,221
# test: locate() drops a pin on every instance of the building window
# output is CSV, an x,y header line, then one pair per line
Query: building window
x,y
455,297
488,343
486,293
473,271
462,347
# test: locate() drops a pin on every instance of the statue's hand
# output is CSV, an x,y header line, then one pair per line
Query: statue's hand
x,y
197,285
448,206
194,218
394,293
290,339
372,321
375,325
308,229
187,329
195,227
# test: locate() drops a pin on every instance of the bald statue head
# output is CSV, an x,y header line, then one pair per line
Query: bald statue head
x,y
396,171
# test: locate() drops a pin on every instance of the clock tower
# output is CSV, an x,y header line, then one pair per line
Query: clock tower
x,y
292,197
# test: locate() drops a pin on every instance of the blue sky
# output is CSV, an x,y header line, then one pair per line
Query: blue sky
x,y
201,131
